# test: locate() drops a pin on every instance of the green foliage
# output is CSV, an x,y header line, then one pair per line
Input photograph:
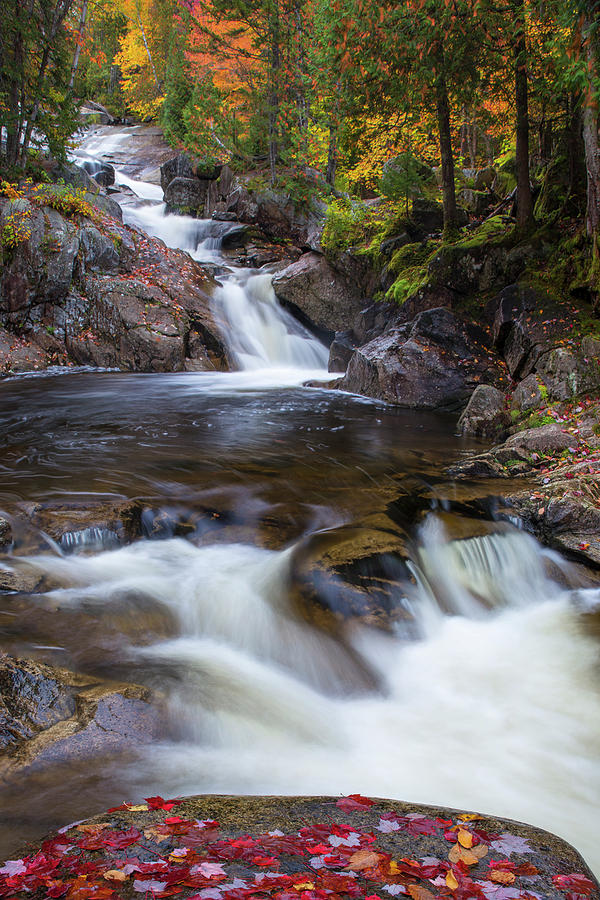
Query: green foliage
x,y
346,225
178,94
403,178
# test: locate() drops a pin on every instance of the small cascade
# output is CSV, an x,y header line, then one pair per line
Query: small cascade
x,y
260,332
471,576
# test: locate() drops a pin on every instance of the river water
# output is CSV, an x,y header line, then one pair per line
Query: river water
x,y
482,695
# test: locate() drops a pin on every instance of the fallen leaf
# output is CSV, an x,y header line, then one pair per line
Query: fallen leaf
x,y
451,881
501,876
363,859
417,892
461,854
115,875
354,801
465,838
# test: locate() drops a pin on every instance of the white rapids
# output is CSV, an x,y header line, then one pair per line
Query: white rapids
x,y
495,707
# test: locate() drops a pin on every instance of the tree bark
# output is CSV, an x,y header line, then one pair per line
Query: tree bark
x,y
524,196
447,156
590,140
77,54
274,90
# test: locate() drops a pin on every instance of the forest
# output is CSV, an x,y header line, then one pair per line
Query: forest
x,y
367,95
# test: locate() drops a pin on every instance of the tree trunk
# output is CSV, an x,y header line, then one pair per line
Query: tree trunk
x,y
77,53
156,81
332,154
447,156
274,91
590,140
524,196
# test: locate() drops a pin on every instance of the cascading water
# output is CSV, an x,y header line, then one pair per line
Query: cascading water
x,y
260,333
488,698
496,707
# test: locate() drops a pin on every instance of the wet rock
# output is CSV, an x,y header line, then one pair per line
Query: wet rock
x,y
50,715
430,364
106,176
5,532
485,415
80,523
323,295
32,698
341,350
376,830
569,525
353,573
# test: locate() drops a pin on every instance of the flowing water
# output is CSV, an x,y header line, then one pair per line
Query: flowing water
x,y
483,694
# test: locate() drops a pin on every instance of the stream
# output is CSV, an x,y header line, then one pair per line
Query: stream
x,y
483,695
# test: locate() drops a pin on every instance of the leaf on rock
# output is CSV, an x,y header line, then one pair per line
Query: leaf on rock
x,y
363,859
418,892
502,876
461,854
465,838
115,875
353,802
451,881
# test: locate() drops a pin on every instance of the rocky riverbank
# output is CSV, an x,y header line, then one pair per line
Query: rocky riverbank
x,y
227,848
78,287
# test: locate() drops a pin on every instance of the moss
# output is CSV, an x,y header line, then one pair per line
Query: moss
x,y
411,264
536,420
492,232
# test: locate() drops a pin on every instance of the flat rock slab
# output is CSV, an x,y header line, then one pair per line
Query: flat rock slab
x,y
311,848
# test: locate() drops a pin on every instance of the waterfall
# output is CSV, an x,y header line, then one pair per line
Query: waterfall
x,y
260,334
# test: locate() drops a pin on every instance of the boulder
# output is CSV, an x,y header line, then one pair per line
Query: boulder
x,y
327,298
527,395
367,833
485,415
427,216
476,202
484,178
341,349
570,373
5,532
430,364
472,267
106,176
186,196
545,439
